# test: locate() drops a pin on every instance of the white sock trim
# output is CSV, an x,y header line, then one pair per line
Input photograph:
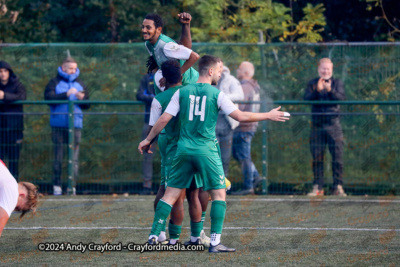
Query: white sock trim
x,y
166,202
215,239
162,236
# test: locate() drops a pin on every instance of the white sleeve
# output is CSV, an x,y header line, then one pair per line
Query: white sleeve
x,y
225,104
155,112
174,50
173,106
8,190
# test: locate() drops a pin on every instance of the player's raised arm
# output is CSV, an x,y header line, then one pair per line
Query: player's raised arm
x,y
186,38
190,62
176,51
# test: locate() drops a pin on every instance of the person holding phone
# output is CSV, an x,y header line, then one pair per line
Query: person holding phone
x,y
65,86
325,127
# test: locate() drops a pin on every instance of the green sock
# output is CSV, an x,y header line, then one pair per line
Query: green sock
x,y
174,230
195,228
217,214
163,227
162,211
203,218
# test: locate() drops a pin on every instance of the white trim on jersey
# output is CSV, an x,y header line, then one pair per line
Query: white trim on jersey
x,y
173,106
151,54
174,50
225,104
155,112
157,77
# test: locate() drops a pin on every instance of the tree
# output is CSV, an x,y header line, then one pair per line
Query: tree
x,y
391,20
241,21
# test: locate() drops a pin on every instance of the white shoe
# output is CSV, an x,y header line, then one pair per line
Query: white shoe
x,y
57,190
315,192
205,240
73,193
339,191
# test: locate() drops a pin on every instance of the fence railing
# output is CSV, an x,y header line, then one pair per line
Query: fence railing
x,y
110,163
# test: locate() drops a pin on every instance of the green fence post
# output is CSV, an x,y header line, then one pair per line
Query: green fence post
x,y
264,181
71,140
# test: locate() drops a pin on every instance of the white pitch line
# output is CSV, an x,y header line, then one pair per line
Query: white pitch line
x,y
225,228
235,200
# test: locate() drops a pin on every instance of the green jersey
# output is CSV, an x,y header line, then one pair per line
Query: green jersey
x,y
171,130
166,49
198,105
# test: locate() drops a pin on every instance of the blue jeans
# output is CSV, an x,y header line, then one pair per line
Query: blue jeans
x,y
241,150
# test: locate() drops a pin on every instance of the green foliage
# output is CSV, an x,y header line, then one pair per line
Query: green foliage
x,y
241,21
307,29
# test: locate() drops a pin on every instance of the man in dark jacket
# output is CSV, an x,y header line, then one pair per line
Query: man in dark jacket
x,y
11,126
326,129
146,94
66,86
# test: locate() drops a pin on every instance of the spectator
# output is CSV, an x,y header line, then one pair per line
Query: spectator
x,y
231,87
326,129
65,86
245,132
146,94
11,126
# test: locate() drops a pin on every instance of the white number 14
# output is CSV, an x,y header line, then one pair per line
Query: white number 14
x,y
197,110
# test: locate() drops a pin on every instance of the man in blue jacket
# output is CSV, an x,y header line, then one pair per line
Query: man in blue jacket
x,y
66,86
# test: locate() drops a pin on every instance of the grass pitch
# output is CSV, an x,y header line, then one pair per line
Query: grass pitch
x,y
266,231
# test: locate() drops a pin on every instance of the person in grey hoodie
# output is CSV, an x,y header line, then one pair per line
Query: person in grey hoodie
x,y
231,87
244,134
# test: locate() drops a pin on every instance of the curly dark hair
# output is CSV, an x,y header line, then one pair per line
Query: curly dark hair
x,y
158,22
151,64
171,70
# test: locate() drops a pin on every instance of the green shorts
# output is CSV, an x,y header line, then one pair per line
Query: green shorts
x,y
184,167
162,144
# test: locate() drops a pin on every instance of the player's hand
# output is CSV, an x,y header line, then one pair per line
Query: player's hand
x,y
72,91
184,18
1,94
147,150
328,85
276,115
320,85
143,144
162,82
80,95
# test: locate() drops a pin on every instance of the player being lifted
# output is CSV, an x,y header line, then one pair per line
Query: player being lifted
x,y
162,48
197,151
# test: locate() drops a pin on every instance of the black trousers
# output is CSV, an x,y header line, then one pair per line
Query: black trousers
x,y
10,148
60,140
330,135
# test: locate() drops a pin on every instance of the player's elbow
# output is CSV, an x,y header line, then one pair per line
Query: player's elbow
x,y
195,56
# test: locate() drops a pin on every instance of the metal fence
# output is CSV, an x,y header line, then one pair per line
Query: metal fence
x,y
110,163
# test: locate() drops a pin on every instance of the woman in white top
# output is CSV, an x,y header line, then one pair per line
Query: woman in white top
x,y
20,196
